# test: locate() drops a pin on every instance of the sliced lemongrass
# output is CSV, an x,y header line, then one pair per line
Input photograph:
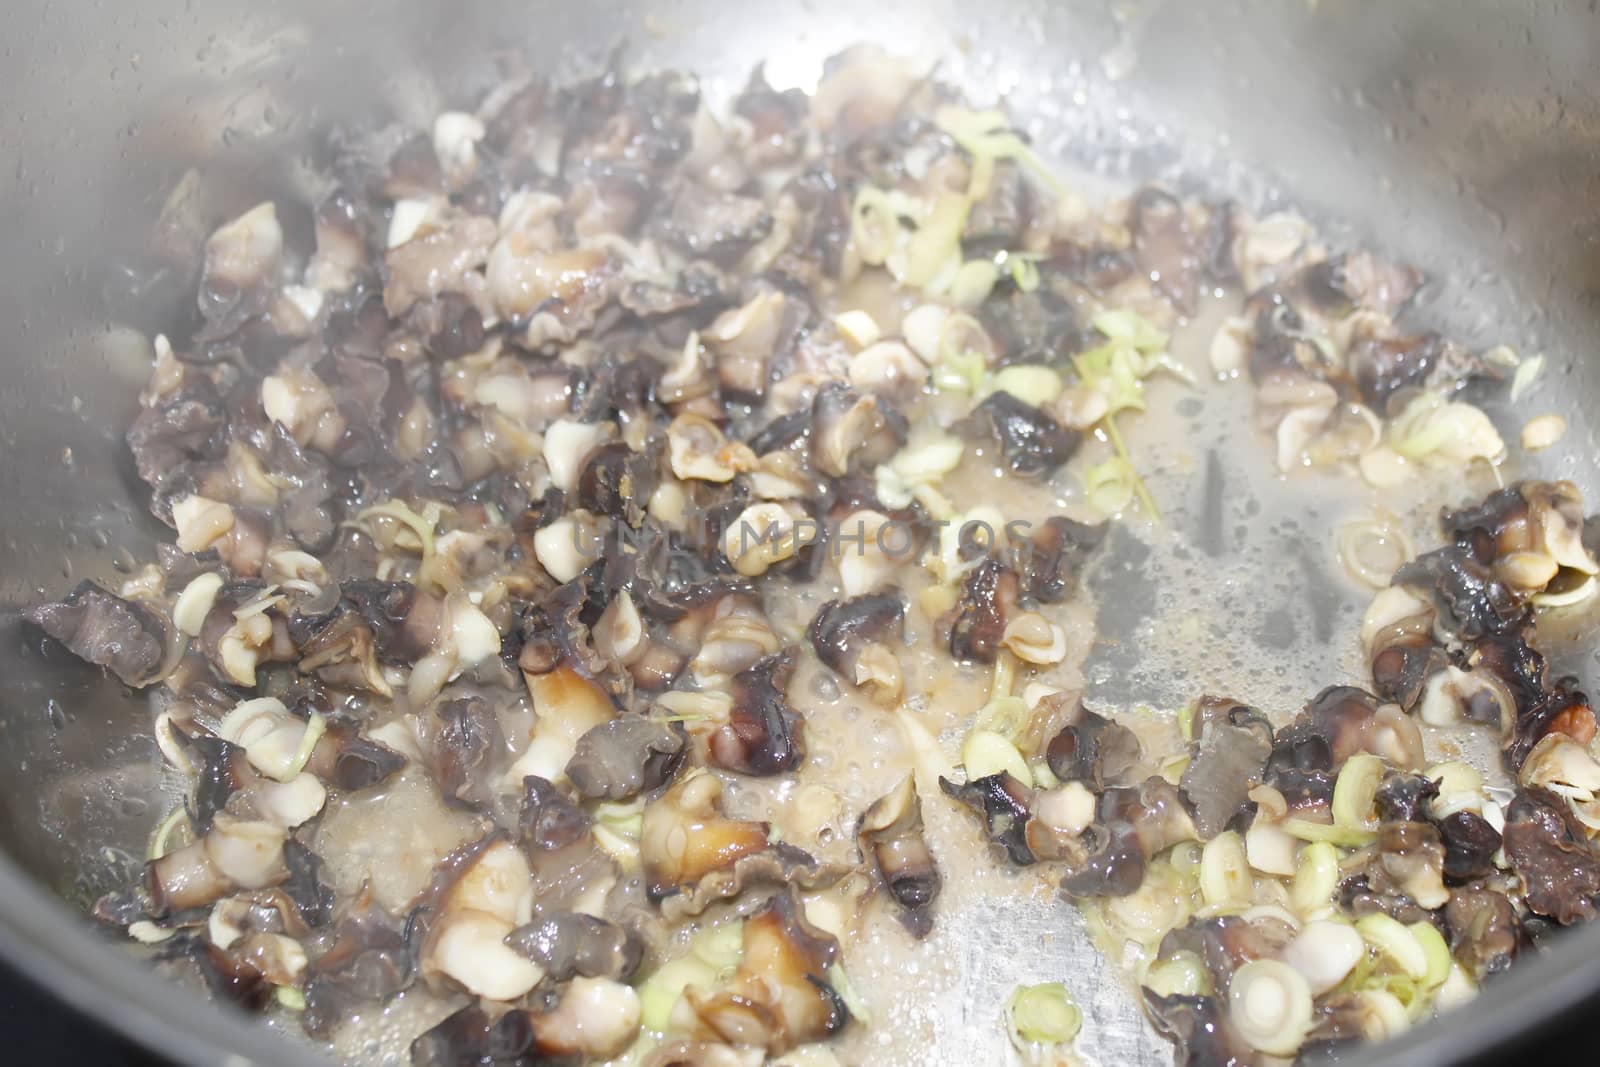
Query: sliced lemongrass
x,y
1355,792
1043,1014
986,753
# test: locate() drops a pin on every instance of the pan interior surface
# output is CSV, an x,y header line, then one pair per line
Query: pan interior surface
x,y
1456,137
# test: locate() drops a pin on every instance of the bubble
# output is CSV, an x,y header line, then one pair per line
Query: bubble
x,y
131,807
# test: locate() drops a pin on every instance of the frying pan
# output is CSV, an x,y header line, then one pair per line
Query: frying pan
x,y
1461,136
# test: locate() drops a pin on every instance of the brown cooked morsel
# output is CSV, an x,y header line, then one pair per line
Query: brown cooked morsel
x,y
1550,851
1089,747
1005,805
890,834
1165,246
1032,443
780,996
1229,759
569,944
622,758
126,637
988,602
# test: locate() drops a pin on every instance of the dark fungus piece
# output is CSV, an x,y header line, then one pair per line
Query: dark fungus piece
x,y
1371,891
1222,233
186,426
231,976
340,651
556,636
223,771
823,230
763,734
775,118
1095,267
1005,805
1549,850
1132,825
843,629
1362,279
662,578
781,864
306,507
891,836
368,962
1199,1028
978,621
1542,707
1113,864
1164,246
1032,327
1514,519
625,757
1308,794
1404,656
999,220
465,742
1412,857
351,761
617,388
851,430
780,433
706,224
1469,846
1389,367
568,944
1156,811
413,169
1341,721
313,896
1299,747
1471,601
1033,443
127,638
1224,943
1229,760
1091,749
404,621
450,325
1495,525
549,819
1485,934
1402,797
472,1038
1050,561
616,481
1516,663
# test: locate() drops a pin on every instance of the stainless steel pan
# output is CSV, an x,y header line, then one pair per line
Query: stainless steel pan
x,y
1463,136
